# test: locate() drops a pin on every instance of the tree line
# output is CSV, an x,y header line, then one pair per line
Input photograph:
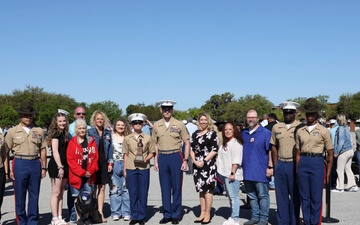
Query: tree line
x,y
221,107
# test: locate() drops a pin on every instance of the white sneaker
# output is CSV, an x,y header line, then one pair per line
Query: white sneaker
x,y
115,218
337,190
127,218
230,221
354,189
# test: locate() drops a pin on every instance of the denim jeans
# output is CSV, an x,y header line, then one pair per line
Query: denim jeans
x,y
232,189
119,194
258,193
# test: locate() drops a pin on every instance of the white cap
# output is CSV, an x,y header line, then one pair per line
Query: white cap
x,y
137,116
289,105
165,103
184,121
332,121
63,111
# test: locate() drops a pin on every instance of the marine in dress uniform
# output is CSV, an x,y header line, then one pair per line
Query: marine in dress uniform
x,y
3,170
283,153
27,142
310,143
138,149
168,135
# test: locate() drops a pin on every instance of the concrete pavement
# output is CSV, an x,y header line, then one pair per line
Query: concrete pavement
x,y
344,206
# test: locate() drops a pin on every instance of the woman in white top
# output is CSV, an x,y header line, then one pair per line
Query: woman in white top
x,y
119,195
229,167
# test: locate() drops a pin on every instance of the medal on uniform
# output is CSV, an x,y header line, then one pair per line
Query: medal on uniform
x,y
252,140
139,158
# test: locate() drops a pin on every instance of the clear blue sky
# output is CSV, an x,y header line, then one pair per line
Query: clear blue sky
x,y
137,51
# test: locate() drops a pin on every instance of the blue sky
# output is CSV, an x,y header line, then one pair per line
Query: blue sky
x,y
137,51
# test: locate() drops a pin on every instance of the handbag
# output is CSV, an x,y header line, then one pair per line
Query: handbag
x,y
86,201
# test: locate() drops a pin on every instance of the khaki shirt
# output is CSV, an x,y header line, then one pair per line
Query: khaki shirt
x,y
314,141
2,149
170,138
130,148
284,140
25,144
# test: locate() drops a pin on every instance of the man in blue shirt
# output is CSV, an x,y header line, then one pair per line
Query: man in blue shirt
x,y
257,167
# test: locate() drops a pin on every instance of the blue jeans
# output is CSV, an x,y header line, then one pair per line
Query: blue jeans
x,y
258,193
119,194
232,189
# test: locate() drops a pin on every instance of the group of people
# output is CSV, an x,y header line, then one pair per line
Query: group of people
x,y
87,158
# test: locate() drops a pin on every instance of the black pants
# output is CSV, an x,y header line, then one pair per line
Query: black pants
x,y
2,186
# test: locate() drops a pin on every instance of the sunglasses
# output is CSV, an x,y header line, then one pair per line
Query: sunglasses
x,y
81,113
167,108
136,122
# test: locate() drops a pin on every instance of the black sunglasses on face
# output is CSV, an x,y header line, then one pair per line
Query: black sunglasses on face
x,y
80,113
135,122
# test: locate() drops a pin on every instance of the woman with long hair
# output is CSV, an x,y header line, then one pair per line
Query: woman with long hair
x,y
344,153
204,147
58,167
229,167
99,123
119,195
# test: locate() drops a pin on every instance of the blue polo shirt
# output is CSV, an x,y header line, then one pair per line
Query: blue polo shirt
x,y
256,154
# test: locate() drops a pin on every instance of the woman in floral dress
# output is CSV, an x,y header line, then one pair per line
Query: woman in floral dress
x,y
204,147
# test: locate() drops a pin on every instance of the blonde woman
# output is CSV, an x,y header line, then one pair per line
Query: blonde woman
x,y
204,147
58,167
344,152
99,123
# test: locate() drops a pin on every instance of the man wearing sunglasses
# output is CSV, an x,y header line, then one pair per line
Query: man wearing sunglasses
x,y
169,134
283,155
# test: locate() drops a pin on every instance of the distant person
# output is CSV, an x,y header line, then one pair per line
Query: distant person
x,y
99,123
357,152
191,127
119,193
333,129
168,135
283,154
3,169
27,142
311,140
257,167
272,120
82,157
138,150
229,167
204,148
147,128
264,121
344,153
58,167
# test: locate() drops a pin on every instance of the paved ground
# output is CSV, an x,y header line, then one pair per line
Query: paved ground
x,y
344,206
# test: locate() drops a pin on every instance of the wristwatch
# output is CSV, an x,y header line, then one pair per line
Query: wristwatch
x,y
232,173
270,167
44,168
186,160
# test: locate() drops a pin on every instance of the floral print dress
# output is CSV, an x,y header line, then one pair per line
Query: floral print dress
x,y
202,145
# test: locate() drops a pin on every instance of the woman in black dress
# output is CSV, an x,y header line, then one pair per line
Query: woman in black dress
x,y
99,130
204,147
58,167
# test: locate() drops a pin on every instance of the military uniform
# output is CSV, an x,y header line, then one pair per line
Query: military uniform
x,y
27,169
311,170
287,194
169,140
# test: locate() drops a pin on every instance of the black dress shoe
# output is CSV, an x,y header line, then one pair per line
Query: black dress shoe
x,y
175,221
164,220
199,221
132,222
207,222
142,222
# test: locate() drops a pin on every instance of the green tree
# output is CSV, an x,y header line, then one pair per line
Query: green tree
x,y
354,107
110,108
217,104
